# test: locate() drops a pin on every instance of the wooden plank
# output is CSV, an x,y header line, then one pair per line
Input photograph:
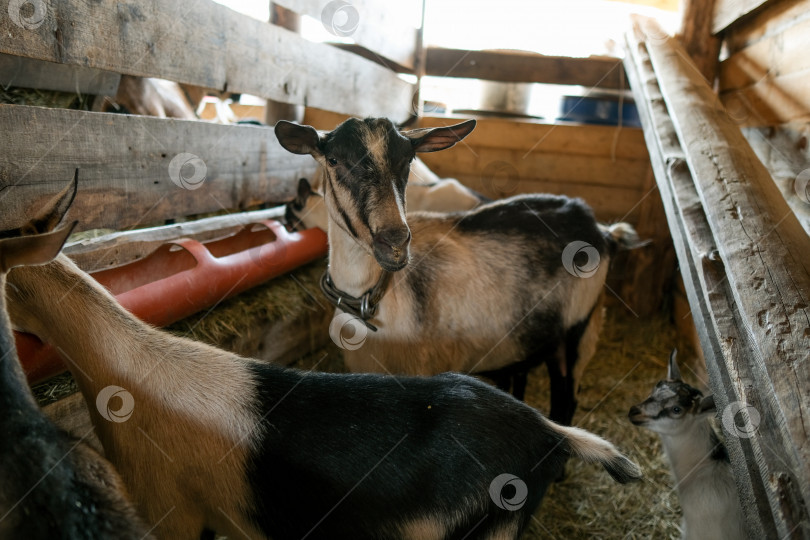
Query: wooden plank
x,y
762,247
369,23
208,45
125,179
727,12
770,102
696,36
784,151
115,249
576,139
27,73
521,66
773,19
488,163
770,58
707,293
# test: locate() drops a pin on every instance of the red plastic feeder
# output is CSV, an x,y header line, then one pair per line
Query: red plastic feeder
x,y
185,276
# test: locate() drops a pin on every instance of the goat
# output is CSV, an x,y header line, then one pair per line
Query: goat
x,y
53,485
678,413
151,97
216,442
428,193
501,287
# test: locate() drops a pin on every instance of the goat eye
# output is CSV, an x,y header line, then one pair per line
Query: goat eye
x,y
676,410
332,161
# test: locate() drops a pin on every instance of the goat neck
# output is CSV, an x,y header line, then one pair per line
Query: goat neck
x,y
689,447
353,269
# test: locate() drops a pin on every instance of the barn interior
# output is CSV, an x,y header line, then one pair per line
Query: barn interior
x,y
686,119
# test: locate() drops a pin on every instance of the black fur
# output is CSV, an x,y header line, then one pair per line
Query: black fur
x,y
363,474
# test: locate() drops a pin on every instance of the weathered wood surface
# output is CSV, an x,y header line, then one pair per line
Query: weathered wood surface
x,y
369,23
709,298
520,66
206,44
27,73
761,246
767,73
697,38
119,248
727,12
129,166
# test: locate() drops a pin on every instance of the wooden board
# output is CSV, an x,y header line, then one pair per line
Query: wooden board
x,y
770,102
27,73
727,12
124,162
762,246
206,44
724,344
369,23
520,66
771,20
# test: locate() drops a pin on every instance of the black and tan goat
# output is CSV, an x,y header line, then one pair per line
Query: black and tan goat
x,y
216,442
52,485
679,413
506,286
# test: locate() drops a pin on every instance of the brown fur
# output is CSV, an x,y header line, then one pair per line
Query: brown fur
x,y
187,436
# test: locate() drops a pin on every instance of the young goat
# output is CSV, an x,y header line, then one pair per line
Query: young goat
x,y
678,413
425,191
508,285
53,485
215,442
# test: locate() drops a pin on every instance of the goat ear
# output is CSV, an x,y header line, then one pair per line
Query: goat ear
x,y
673,373
54,211
296,138
33,250
707,404
304,189
434,139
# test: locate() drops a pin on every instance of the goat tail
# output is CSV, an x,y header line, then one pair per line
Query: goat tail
x,y
594,449
622,236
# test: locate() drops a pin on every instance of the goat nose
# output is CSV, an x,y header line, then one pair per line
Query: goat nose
x,y
394,238
634,411
391,248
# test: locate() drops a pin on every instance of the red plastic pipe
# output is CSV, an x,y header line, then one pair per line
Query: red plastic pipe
x,y
185,276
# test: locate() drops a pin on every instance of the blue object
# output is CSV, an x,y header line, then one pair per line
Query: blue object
x,y
598,110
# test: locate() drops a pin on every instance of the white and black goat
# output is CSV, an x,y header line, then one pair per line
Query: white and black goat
x,y
52,485
679,413
211,441
507,286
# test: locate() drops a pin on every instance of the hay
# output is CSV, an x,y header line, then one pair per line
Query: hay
x,y
45,98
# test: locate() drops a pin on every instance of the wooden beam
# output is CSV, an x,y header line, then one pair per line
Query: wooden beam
x,y
115,249
372,24
761,245
27,73
728,12
519,66
208,45
277,110
697,38
132,168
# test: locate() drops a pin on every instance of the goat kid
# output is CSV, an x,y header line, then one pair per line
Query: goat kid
x,y
507,286
216,442
679,413
53,485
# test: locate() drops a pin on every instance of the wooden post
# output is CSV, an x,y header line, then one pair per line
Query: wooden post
x,y
277,110
697,38
747,277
